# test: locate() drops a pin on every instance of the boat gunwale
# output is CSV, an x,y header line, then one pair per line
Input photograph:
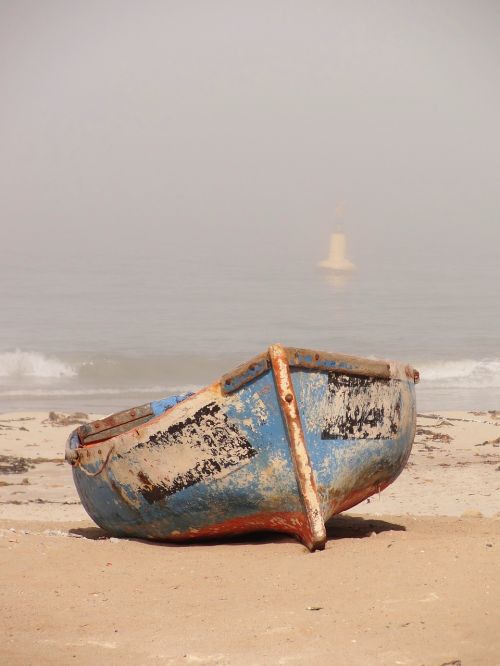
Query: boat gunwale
x,y
310,359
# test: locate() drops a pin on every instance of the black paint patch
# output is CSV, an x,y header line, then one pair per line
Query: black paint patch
x,y
361,408
218,445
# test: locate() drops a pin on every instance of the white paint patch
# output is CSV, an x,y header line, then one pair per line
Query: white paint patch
x,y
362,408
259,408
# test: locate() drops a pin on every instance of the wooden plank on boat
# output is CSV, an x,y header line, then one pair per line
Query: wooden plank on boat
x,y
244,373
117,430
340,363
114,424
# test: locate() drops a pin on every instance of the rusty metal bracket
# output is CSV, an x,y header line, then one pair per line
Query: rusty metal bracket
x,y
316,536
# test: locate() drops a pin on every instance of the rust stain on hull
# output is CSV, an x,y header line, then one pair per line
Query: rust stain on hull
x,y
292,523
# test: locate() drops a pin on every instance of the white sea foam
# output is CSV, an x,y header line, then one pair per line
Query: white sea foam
x,y
466,373
33,364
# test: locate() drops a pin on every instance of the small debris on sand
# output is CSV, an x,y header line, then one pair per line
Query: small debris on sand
x,y
14,465
434,436
472,513
493,442
425,431
441,437
57,419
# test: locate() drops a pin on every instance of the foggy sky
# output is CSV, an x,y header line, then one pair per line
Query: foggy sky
x,y
225,126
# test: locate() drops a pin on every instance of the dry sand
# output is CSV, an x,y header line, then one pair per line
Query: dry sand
x,y
412,577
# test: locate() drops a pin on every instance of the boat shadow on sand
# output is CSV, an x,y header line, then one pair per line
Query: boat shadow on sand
x,y
338,527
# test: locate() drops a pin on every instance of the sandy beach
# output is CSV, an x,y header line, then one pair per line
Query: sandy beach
x,y
410,577
267,234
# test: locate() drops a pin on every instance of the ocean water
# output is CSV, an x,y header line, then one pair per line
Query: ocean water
x,y
97,331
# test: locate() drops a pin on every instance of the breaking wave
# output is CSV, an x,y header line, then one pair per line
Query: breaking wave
x,y
109,372
33,364
466,373
30,372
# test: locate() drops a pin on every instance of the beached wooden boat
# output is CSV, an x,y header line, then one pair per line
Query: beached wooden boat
x,y
282,443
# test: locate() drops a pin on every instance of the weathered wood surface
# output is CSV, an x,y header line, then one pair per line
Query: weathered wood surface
x,y
114,424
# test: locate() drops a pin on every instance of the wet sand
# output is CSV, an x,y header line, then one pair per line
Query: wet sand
x,y
412,577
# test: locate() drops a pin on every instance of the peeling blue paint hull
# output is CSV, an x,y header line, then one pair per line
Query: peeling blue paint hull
x,y
282,443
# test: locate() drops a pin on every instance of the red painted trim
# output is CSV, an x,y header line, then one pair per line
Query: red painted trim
x,y
293,523
358,496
